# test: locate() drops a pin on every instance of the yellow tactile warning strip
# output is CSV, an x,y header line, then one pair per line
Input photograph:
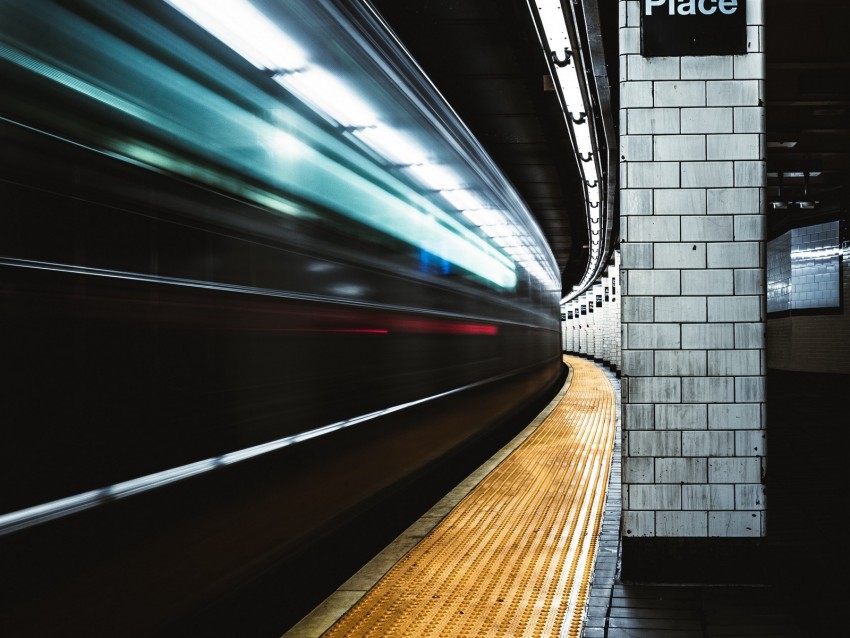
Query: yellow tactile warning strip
x,y
515,556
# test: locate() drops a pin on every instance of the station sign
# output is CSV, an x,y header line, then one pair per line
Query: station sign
x,y
598,301
693,27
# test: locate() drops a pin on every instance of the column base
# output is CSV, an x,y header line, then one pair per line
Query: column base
x,y
705,561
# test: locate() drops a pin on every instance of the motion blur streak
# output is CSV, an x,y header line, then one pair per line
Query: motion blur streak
x,y
22,519
200,264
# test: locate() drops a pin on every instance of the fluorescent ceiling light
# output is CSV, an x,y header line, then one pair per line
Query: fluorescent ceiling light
x,y
555,39
571,89
795,174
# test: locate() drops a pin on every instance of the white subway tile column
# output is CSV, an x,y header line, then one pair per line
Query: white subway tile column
x,y
692,178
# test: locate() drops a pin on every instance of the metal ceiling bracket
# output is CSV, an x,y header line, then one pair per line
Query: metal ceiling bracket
x,y
559,62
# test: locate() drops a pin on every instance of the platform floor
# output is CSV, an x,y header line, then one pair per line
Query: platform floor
x,y
528,545
511,551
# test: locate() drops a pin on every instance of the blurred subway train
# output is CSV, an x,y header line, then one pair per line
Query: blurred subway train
x,y
255,274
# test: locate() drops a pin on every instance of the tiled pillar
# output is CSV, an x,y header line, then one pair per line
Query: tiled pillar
x,y
616,304
591,324
574,336
607,311
582,323
598,321
693,309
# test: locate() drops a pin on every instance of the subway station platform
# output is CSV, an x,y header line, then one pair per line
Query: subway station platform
x,y
528,545
510,551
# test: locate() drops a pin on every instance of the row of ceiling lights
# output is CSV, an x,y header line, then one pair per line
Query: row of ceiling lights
x,y
572,89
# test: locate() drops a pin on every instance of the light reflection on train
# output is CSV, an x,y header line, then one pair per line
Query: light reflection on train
x,y
254,272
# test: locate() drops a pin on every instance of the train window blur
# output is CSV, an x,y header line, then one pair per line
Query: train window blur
x,y
804,269
213,251
294,114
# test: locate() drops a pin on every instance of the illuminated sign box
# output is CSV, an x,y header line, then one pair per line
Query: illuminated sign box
x,y
693,27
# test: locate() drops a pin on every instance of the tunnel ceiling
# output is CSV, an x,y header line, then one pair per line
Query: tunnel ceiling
x,y
485,59
808,105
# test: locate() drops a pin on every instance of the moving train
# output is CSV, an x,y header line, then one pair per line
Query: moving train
x,y
255,274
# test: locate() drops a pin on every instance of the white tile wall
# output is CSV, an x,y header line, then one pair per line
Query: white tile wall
x,y
655,497
679,363
711,228
749,442
654,444
680,309
692,230
746,309
708,120
687,256
681,416
653,282
734,470
651,336
750,497
707,67
638,523
750,173
708,497
750,389
708,282
635,201
735,416
639,255
708,390
654,390
671,148
636,148
681,470
708,444
711,335
653,174
639,416
638,309
735,201
750,227
733,93
707,174
681,93
682,524
735,524
638,363
680,201
637,470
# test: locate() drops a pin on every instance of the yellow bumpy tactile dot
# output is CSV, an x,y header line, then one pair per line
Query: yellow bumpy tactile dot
x,y
515,556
